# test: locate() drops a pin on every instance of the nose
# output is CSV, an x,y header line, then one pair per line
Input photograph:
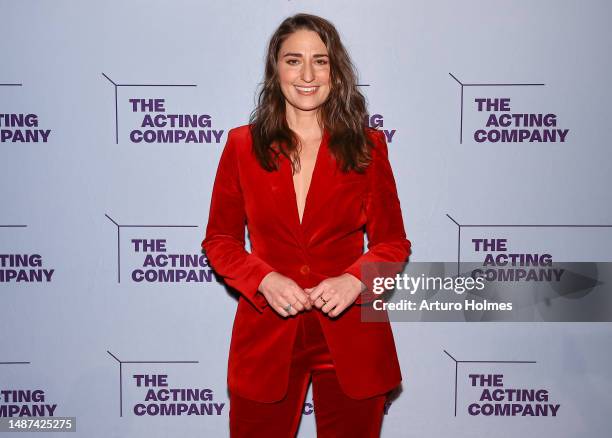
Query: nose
x,y
307,72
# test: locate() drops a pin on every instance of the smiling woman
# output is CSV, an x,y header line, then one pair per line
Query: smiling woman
x,y
308,178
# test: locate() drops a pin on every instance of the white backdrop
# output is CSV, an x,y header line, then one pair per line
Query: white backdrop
x,y
87,198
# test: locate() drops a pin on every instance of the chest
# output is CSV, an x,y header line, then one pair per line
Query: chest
x,y
318,198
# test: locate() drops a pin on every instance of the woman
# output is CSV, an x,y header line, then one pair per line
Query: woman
x,y
307,177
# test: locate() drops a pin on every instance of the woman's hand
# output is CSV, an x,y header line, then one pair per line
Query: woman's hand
x,y
280,291
337,293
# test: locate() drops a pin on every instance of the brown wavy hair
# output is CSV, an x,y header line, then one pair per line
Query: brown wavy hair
x,y
344,113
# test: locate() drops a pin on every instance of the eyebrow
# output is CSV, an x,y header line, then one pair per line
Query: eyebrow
x,y
318,55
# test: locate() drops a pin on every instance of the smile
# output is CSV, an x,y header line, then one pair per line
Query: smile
x,y
306,90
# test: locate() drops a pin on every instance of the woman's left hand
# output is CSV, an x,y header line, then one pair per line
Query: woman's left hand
x,y
337,292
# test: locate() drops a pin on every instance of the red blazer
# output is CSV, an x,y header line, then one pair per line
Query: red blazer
x,y
328,242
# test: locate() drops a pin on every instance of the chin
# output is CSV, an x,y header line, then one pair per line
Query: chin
x,y
308,107
306,104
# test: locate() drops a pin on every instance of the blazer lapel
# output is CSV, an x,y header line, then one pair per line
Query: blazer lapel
x,y
281,188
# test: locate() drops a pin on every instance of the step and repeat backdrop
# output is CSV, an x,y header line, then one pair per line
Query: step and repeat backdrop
x,y
113,116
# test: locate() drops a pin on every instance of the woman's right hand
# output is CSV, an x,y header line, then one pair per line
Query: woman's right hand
x,y
280,290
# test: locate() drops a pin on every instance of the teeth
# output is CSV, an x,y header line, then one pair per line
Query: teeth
x,y
306,90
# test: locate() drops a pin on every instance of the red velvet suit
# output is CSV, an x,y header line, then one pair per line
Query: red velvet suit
x,y
329,241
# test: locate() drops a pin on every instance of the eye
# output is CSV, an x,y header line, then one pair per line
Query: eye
x,y
322,62
290,61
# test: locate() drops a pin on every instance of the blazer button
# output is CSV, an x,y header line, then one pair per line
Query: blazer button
x,y
305,269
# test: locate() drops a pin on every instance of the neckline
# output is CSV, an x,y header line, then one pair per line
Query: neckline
x,y
313,178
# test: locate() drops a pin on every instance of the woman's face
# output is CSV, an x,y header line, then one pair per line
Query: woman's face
x,y
304,71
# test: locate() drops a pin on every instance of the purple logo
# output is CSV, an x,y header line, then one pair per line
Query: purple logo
x,y
377,121
160,399
25,403
501,265
24,268
500,401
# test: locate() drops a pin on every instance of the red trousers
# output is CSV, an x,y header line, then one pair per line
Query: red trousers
x,y
336,414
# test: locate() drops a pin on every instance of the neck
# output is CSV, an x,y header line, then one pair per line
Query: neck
x,y
304,123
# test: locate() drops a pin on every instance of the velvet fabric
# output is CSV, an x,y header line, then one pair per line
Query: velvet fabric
x,y
336,414
329,241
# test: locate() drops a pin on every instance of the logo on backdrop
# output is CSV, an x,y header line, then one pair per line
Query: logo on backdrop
x,y
157,396
377,121
505,126
159,126
504,120
515,266
156,119
496,394
152,261
495,398
159,265
25,402
23,267
21,127
508,266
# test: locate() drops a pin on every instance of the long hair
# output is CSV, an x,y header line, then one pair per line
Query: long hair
x,y
344,113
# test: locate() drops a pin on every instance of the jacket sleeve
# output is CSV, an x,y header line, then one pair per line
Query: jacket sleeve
x,y
224,240
384,223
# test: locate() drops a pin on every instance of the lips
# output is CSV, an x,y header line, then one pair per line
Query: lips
x,y
306,90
